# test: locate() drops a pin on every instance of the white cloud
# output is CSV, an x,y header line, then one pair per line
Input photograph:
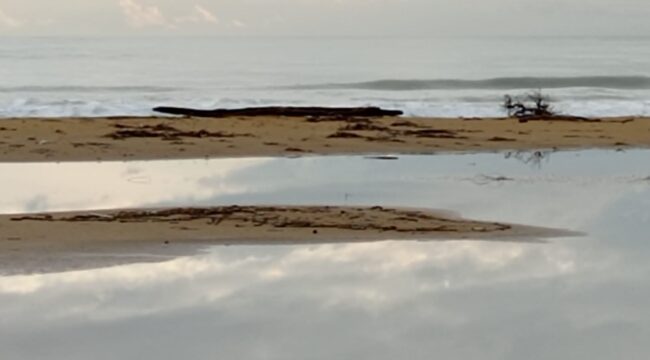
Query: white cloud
x,y
206,15
139,15
238,23
199,14
8,21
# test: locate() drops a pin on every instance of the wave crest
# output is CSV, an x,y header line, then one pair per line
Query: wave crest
x,y
503,83
85,89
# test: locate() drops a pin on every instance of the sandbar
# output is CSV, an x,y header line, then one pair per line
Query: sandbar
x,y
37,242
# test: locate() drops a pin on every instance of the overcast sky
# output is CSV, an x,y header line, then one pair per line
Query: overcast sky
x,y
325,17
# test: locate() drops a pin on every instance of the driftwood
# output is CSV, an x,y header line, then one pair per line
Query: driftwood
x,y
535,106
282,111
556,117
520,109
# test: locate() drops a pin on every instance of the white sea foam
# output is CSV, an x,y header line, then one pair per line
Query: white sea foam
x,y
34,107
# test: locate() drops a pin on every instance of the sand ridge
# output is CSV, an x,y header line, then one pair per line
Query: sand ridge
x,y
247,223
58,241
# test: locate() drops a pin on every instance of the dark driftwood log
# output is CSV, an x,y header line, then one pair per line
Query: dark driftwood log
x,y
283,111
555,117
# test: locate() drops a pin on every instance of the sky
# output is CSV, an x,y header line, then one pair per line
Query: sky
x,y
325,17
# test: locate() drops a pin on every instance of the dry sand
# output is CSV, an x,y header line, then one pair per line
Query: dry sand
x,y
79,139
58,241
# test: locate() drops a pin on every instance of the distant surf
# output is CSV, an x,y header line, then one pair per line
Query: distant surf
x,y
501,83
85,89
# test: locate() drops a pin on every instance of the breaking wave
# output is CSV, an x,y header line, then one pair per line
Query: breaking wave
x,y
86,89
503,83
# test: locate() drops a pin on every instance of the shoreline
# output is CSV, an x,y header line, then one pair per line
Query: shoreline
x,y
158,138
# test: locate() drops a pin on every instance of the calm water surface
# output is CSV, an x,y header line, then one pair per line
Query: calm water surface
x,y
570,298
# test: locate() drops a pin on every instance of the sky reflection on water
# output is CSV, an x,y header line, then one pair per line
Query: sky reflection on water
x,y
578,298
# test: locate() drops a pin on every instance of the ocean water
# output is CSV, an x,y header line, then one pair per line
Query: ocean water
x,y
422,76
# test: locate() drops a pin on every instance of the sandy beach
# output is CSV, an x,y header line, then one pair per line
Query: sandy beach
x,y
131,138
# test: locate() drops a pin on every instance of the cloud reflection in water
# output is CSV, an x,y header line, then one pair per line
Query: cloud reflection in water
x,y
579,298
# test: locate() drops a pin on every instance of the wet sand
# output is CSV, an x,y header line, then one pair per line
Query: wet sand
x,y
41,242
84,139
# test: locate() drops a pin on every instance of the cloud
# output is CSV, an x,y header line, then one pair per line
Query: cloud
x,y
199,14
139,15
206,15
238,23
8,21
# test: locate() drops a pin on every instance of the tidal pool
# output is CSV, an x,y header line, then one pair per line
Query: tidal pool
x,y
580,297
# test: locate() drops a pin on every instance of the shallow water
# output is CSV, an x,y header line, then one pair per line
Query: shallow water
x,y
466,183
579,298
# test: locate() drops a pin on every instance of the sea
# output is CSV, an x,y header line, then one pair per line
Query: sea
x,y
83,76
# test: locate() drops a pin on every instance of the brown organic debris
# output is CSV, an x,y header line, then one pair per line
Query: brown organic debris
x,y
500,139
363,126
434,133
164,132
344,135
356,219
